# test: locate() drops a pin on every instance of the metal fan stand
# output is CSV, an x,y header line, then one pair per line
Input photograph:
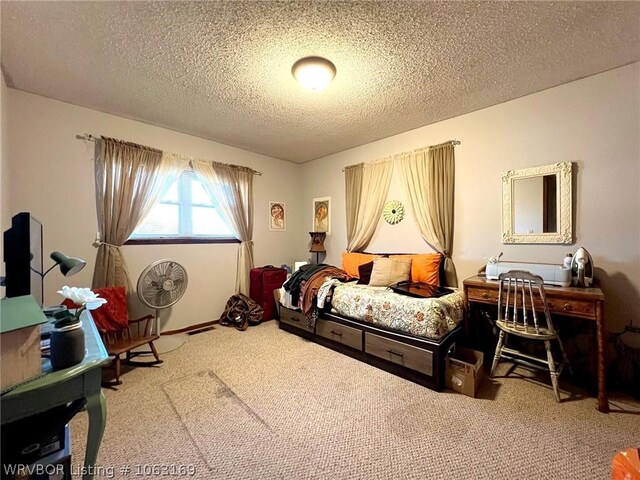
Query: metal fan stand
x,y
167,343
160,286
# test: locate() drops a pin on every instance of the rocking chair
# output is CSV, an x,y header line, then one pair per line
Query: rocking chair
x,y
121,335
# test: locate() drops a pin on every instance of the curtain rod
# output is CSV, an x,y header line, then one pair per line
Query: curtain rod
x,y
450,142
92,138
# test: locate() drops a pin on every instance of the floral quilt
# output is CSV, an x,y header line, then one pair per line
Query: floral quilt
x,y
423,317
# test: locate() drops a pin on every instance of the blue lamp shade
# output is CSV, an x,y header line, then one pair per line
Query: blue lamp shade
x,y
68,265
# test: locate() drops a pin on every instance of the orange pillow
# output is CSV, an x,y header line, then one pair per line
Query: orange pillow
x,y
351,261
425,268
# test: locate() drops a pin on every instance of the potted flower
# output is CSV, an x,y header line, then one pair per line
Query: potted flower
x,y
67,336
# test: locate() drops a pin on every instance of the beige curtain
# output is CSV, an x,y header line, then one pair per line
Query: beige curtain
x,y
376,178
428,177
232,189
353,195
129,180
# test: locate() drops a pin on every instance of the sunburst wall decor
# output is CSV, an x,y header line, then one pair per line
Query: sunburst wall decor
x,y
393,212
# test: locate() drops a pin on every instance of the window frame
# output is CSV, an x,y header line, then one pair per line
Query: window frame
x,y
185,210
180,240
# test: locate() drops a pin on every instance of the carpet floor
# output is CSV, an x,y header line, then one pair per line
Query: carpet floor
x,y
266,404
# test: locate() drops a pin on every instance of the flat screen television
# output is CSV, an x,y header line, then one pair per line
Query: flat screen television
x,y
23,257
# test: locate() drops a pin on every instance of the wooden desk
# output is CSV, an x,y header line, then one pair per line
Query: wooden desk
x,y
587,303
60,387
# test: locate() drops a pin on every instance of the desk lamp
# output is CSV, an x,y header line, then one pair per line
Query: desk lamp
x,y
68,265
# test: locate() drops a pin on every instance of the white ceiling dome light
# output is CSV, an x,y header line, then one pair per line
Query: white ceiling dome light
x,y
314,73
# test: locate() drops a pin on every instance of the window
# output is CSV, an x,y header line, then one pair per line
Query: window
x,y
184,214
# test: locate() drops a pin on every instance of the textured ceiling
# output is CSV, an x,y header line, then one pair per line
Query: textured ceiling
x,y
222,70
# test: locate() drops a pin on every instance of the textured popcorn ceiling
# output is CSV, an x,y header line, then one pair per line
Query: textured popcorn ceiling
x,y
222,70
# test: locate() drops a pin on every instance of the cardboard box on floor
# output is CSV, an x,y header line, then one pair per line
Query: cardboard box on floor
x,y
464,372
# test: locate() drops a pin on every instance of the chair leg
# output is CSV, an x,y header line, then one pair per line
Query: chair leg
x,y
498,353
552,370
155,352
564,356
118,369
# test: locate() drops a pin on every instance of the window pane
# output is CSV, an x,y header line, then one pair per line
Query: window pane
x,y
162,220
185,210
199,195
206,221
171,195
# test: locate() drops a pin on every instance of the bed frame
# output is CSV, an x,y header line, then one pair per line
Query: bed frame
x,y
420,360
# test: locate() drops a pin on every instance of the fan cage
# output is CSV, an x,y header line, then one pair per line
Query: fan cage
x,y
162,284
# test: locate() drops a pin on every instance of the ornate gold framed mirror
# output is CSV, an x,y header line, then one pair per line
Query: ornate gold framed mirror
x,y
536,204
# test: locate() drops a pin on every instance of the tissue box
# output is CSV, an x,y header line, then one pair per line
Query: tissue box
x,y
464,372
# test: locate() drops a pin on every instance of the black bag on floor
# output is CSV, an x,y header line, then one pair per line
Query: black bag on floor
x,y
241,312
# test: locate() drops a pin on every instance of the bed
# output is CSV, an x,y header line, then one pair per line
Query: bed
x,y
406,336
431,318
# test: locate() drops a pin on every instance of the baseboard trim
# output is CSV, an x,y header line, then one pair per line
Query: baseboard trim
x,y
198,326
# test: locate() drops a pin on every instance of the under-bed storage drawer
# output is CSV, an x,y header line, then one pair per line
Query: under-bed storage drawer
x,y
400,353
351,337
295,318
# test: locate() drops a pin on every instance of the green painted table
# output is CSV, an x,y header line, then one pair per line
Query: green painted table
x,y
60,387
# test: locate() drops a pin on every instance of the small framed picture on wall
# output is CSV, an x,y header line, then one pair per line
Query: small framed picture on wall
x,y
322,215
277,217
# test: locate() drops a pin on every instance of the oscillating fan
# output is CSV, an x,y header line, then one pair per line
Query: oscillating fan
x,y
161,285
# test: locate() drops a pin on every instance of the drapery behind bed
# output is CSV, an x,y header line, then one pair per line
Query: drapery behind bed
x,y
364,215
428,180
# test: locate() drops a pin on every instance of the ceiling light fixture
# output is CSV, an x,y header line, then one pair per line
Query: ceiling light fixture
x,y
314,73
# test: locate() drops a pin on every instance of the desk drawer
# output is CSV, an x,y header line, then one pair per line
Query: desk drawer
x,y
295,318
351,337
482,295
572,307
400,353
558,306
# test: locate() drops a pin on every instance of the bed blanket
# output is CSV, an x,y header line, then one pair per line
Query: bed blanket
x,y
423,317
304,284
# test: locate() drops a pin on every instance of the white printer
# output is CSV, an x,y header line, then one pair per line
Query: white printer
x,y
551,274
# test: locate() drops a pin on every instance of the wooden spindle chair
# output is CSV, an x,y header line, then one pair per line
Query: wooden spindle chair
x,y
523,311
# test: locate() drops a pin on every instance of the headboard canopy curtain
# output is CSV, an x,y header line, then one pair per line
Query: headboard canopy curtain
x,y
428,180
365,204
427,177
353,197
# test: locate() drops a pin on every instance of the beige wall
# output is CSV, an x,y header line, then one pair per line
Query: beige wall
x,y
51,176
593,122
